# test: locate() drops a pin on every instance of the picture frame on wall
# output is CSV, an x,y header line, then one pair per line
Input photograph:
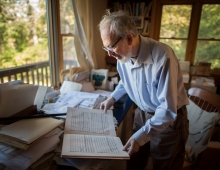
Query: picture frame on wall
x,y
139,21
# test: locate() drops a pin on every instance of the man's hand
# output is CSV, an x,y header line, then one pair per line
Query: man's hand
x,y
131,146
107,104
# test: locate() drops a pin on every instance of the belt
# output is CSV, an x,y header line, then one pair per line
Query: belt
x,y
178,111
153,113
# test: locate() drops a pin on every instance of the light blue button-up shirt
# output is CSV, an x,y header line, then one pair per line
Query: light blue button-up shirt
x,y
154,82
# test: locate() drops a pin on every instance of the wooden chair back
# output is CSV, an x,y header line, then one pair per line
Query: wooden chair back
x,y
205,99
210,102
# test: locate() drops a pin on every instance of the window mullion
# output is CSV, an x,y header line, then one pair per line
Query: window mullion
x,y
193,32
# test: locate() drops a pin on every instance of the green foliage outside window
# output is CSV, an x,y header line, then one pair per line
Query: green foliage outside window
x,y
209,50
175,27
23,33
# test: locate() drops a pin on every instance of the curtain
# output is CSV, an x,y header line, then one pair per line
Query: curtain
x,y
83,33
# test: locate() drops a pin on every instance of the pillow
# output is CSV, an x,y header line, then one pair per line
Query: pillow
x,y
201,123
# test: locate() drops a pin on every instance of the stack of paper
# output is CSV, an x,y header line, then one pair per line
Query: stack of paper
x,y
14,158
22,134
73,99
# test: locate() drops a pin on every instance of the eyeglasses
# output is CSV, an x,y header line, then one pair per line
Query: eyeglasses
x,y
113,46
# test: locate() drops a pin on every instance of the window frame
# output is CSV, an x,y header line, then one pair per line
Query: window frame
x,y
56,41
194,22
58,38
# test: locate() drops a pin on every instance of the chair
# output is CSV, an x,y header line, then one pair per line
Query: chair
x,y
203,115
207,100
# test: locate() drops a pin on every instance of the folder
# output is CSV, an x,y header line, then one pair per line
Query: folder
x,y
14,99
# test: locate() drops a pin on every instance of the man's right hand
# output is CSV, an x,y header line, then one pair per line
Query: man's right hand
x,y
105,105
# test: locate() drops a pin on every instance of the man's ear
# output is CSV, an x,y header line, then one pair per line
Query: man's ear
x,y
130,38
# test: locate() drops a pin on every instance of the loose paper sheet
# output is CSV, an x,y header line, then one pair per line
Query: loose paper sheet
x,y
68,86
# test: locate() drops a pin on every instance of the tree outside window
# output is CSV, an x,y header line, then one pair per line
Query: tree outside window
x,y
208,42
23,37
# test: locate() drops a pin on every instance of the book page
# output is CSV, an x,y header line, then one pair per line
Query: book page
x,y
89,121
90,146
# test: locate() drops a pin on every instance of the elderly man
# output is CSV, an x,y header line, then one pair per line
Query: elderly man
x,y
150,74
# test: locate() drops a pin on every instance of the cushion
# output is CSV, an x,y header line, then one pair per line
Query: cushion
x,y
201,124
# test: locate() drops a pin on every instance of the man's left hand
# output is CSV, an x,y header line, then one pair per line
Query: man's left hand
x,y
131,146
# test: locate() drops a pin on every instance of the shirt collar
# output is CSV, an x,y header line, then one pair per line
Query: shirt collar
x,y
145,52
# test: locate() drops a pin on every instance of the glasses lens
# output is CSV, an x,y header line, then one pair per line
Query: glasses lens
x,y
112,48
107,49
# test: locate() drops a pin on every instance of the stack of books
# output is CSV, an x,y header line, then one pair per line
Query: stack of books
x,y
26,141
24,133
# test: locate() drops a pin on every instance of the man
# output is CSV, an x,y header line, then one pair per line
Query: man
x,y
151,76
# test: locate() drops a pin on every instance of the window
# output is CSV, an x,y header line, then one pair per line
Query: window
x,y
24,40
67,34
36,40
174,28
190,27
208,43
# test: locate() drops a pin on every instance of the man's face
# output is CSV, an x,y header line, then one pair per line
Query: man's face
x,y
116,46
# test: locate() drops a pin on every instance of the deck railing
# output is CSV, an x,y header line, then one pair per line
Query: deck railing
x,y
38,73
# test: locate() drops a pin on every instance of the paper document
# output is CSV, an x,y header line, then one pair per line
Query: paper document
x,y
60,107
78,95
68,86
93,121
90,133
39,98
102,92
89,146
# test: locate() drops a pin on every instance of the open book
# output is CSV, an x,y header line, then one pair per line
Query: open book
x,y
90,133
